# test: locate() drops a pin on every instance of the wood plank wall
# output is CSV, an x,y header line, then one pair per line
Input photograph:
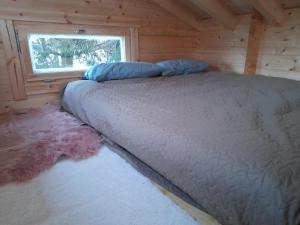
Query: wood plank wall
x,y
161,36
223,47
280,49
5,91
279,53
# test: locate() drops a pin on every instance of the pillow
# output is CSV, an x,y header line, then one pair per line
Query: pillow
x,y
182,67
122,70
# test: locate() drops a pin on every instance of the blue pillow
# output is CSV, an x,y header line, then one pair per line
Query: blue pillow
x,y
182,67
122,70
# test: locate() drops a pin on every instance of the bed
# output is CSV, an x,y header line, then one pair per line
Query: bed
x,y
230,142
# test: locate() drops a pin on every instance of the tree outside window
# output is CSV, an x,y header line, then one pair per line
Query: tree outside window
x,y
74,52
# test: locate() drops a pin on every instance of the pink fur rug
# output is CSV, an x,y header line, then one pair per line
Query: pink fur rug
x,y
32,142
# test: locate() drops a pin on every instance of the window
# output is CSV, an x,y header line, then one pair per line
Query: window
x,y
48,55
56,52
62,53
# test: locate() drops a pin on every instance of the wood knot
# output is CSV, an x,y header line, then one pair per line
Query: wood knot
x,y
67,19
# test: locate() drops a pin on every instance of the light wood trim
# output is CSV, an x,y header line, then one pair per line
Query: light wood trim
x,y
52,76
12,60
254,42
179,12
70,28
134,44
271,10
218,11
200,216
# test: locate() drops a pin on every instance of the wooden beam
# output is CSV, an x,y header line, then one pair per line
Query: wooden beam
x,y
271,10
218,11
178,11
134,44
254,42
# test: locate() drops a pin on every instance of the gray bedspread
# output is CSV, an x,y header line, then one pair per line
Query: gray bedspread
x,y
231,142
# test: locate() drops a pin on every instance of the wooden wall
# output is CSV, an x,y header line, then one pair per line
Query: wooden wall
x,y
223,47
279,53
280,49
5,91
161,36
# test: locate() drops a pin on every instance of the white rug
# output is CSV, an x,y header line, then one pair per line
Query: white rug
x,y
102,190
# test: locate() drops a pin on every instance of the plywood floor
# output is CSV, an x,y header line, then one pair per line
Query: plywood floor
x,y
198,215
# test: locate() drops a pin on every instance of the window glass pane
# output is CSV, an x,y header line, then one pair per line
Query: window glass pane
x,y
58,53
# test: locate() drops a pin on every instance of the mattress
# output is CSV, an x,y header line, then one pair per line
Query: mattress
x,y
231,142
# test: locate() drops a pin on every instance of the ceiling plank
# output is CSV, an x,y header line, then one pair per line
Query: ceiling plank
x,y
271,10
217,10
181,13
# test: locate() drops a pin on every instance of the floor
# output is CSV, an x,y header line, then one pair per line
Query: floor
x,y
44,192
32,142
103,189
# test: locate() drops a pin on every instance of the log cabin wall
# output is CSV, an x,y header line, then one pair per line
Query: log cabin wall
x,y
161,35
5,91
222,47
278,55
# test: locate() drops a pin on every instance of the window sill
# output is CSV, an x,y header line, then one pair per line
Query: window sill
x,y
54,76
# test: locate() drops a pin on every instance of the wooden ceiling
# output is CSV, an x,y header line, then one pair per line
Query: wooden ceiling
x,y
245,7
226,11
